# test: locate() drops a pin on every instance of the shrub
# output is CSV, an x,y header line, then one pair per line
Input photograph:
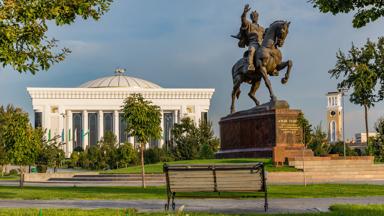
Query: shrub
x,y
126,155
206,152
13,172
155,155
42,168
338,148
193,142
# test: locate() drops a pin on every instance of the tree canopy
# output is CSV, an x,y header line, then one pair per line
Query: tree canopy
x,y
143,118
143,121
366,11
24,44
362,70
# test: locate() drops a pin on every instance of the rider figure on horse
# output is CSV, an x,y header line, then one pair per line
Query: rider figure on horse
x,y
251,35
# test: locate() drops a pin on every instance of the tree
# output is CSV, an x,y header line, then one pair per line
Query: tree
x,y
306,128
51,155
376,148
319,143
143,122
22,143
193,142
338,148
3,159
366,11
362,70
25,45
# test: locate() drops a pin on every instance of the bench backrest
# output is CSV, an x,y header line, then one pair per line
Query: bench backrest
x,y
215,177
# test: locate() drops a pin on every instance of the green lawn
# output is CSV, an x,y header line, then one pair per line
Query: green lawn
x,y
123,193
158,168
8,178
336,210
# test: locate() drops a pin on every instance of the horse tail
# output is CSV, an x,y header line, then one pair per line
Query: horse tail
x,y
237,71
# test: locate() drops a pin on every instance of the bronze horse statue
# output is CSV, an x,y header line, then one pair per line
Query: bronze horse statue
x,y
267,60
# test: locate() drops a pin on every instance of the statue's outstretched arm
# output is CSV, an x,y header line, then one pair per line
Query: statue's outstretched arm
x,y
244,21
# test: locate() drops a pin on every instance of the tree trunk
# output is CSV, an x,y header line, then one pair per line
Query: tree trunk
x,y
142,166
2,170
366,123
21,185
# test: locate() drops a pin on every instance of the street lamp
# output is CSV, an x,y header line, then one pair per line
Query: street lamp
x,y
343,91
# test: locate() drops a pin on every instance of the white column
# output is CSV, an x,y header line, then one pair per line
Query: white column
x,y
101,124
69,133
116,125
131,140
85,130
162,129
175,117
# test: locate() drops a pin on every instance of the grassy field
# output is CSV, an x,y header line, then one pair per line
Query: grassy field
x,y
158,168
8,178
127,193
337,210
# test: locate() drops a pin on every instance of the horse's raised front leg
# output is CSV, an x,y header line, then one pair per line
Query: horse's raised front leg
x,y
283,65
252,92
235,94
264,73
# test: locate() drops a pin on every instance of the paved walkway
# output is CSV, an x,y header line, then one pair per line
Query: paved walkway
x,y
207,205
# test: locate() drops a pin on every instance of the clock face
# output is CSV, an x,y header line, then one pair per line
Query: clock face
x,y
333,113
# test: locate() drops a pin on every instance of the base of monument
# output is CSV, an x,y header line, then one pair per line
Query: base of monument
x,y
245,153
270,130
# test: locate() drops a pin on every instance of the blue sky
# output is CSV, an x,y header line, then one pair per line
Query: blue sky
x,y
187,43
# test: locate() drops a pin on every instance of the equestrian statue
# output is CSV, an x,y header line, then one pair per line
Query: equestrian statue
x,y
263,57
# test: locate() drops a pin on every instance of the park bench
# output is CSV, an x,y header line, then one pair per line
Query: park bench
x,y
249,177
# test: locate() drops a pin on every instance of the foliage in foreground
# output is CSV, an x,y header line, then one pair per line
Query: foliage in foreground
x,y
366,11
25,45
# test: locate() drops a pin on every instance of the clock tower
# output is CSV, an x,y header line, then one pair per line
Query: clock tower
x,y
334,117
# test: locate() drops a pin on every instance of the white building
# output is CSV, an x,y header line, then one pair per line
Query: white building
x,y
81,116
361,138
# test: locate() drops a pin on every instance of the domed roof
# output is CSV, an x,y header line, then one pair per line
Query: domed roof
x,y
119,80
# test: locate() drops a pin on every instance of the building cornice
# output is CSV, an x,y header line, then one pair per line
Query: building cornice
x,y
118,93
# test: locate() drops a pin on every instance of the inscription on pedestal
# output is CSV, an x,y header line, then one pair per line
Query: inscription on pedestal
x,y
288,131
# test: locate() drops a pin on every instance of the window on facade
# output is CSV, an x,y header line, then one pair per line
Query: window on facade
x,y
123,135
153,143
108,122
333,131
77,130
204,117
329,101
168,120
93,128
38,119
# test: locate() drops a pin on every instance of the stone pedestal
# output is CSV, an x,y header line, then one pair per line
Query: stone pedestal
x,y
258,131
